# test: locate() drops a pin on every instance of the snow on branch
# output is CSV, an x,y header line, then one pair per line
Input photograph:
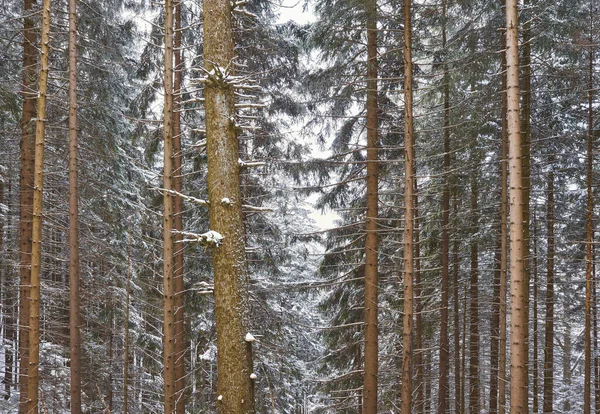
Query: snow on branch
x,y
209,239
245,164
248,207
191,199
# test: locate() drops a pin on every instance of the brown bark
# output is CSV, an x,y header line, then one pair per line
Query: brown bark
x,y
36,247
474,386
234,386
409,163
519,292
178,222
457,369
549,331
444,340
587,388
29,94
372,239
168,283
75,337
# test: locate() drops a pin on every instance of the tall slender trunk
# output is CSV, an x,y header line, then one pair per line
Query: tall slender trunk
x,y
419,403
535,318
549,331
589,229
235,388
595,334
457,371
5,298
567,364
126,335
168,283
36,238
409,162
372,238
75,337
519,293
474,388
178,221
29,93
111,350
444,341
503,236
526,154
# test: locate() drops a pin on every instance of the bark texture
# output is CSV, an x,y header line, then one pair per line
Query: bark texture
x,y
36,238
168,282
234,387
372,238
519,290
29,94
178,222
75,336
409,177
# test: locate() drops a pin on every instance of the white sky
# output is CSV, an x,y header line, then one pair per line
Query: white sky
x,y
292,10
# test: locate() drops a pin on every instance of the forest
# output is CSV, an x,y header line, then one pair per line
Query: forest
x,y
299,206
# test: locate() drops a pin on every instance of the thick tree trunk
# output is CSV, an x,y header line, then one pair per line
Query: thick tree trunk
x,y
168,282
36,247
235,388
549,331
372,238
75,337
409,162
444,341
178,222
519,290
26,193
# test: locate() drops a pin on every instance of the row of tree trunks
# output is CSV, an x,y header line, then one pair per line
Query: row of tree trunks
x,y
372,238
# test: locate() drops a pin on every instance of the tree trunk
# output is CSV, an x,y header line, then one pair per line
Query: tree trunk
x,y
126,335
549,331
503,237
235,387
409,162
587,389
457,370
36,248
178,222
5,284
474,388
168,283
519,293
418,405
26,193
75,337
372,238
444,341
